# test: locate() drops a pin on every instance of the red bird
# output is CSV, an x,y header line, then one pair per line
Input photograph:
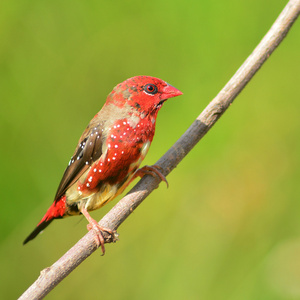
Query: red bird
x,y
110,151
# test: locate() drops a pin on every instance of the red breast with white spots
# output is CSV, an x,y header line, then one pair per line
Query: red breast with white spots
x,y
123,152
125,148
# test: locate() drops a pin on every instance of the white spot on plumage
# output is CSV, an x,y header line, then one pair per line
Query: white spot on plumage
x,y
100,171
95,170
114,158
116,146
90,179
88,185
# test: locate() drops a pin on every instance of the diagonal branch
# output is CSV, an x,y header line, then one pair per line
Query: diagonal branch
x,y
51,276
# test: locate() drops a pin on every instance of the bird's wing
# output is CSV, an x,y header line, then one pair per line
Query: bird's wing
x,y
89,149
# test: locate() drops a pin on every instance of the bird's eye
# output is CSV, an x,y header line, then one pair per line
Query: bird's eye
x,y
150,89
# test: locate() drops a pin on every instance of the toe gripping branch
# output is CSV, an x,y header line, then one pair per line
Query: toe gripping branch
x,y
151,170
102,235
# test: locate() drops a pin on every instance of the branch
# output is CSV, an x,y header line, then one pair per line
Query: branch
x,y
51,276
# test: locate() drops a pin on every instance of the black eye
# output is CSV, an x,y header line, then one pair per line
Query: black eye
x,y
150,88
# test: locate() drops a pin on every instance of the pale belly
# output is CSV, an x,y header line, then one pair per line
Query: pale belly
x,y
76,200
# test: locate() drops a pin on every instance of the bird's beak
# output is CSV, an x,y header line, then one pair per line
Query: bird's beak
x,y
170,91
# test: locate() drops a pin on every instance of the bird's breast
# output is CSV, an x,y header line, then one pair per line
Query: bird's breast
x,y
124,148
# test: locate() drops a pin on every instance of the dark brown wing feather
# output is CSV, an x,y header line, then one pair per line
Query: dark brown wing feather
x,y
89,149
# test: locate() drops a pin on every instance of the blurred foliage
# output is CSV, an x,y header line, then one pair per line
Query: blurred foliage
x,y
228,227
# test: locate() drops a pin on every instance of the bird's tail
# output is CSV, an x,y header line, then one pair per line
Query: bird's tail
x,y
56,210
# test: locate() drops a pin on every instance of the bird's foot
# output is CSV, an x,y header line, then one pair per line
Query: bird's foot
x,y
98,231
151,170
98,234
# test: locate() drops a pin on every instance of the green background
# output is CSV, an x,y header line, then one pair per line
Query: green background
x,y
228,227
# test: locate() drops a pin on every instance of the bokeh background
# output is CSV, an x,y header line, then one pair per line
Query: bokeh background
x,y
228,227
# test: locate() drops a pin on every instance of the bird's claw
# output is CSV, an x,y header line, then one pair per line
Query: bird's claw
x,y
98,231
151,170
98,234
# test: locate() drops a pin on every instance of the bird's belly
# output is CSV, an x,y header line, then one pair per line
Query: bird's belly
x,y
76,200
99,199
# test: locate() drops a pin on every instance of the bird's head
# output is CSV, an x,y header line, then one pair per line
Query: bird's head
x,y
142,94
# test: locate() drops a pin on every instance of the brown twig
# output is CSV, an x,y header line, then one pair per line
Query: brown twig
x,y
51,276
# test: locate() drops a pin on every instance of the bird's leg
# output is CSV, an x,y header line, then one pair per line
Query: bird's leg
x,y
98,230
150,170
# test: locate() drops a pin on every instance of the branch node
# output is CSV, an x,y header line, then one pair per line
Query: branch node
x,y
110,238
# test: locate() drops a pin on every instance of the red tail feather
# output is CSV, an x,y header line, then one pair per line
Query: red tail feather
x,y
55,211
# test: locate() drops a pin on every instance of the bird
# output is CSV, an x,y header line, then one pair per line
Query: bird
x,y
109,152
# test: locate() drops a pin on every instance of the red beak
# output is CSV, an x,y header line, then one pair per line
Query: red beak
x,y
170,91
